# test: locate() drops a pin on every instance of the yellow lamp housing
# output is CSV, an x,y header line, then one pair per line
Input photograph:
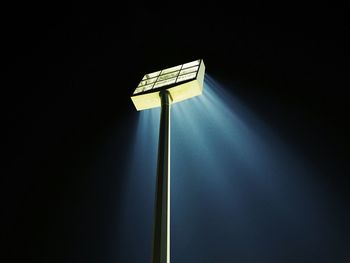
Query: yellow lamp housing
x,y
182,82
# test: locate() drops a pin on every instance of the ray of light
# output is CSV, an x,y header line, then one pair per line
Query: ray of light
x,y
239,192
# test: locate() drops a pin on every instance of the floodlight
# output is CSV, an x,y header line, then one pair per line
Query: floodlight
x,y
161,89
182,82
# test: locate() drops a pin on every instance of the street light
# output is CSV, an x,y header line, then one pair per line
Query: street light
x,y
161,89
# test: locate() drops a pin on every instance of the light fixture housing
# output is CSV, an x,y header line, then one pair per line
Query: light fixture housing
x,y
182,82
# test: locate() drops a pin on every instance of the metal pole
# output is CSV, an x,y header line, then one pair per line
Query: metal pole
x,y
161,238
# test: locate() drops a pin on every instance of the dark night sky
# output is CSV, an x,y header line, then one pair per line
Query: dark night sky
x,y
69,71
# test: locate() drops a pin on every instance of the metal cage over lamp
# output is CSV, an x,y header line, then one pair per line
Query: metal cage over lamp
x,y
182,82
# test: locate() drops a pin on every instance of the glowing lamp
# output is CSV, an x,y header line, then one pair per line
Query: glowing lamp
x,y
182,82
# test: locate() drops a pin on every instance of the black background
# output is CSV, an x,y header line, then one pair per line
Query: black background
x,y
69,72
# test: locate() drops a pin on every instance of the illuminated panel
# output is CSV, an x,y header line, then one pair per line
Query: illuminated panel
x,y
183,82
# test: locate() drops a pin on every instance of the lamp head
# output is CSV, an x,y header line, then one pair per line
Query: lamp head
x,y
182,82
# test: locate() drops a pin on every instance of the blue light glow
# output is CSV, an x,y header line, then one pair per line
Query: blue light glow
x,y
238,193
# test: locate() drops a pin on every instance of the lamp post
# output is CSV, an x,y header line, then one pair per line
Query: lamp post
x,y
161,89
